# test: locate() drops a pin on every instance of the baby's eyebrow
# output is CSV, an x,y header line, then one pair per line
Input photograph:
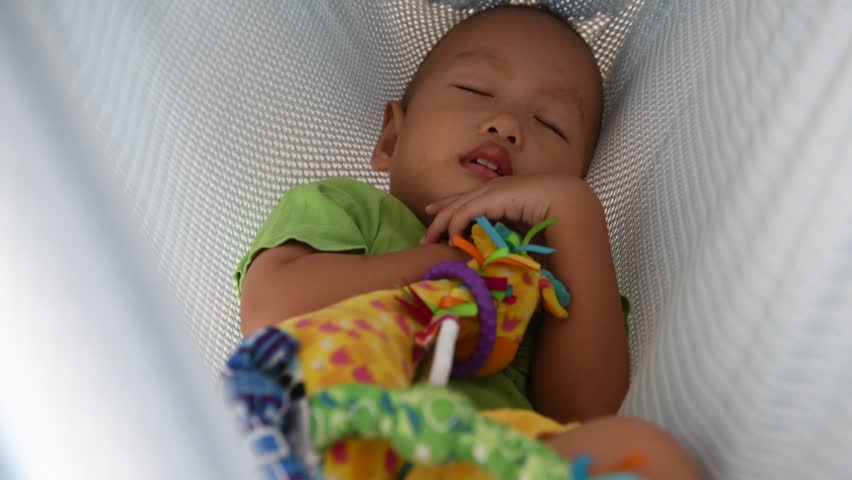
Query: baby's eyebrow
x,y
568,95
479,56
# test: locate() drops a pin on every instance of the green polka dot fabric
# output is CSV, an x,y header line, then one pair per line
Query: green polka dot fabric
x,y
429,424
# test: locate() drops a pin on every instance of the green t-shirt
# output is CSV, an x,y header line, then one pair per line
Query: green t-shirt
x,y
345,215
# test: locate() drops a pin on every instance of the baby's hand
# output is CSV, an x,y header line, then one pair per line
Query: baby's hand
x,y
524,200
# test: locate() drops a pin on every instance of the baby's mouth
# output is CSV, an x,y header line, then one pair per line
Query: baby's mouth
x,y
479,167
489,160
489,164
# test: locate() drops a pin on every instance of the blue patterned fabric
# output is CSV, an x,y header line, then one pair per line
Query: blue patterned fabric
x,y
264,386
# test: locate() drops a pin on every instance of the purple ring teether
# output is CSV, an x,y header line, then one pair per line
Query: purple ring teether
x,y
487,313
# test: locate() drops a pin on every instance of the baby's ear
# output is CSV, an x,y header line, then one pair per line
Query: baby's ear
x,y
386,145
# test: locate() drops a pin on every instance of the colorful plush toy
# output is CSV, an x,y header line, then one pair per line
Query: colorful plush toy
x,y
359,361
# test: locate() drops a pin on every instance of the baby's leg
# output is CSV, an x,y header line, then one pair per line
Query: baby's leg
x,y
610,440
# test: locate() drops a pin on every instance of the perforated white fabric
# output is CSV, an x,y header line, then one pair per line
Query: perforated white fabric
x,y
99,381
725,172
722,167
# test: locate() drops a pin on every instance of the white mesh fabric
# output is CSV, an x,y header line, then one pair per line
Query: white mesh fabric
x,y
99,380
725,173
721,168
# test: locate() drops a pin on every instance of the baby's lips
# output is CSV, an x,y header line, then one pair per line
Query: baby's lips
x,y
493,153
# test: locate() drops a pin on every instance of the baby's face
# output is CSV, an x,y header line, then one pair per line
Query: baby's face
x,y
508,92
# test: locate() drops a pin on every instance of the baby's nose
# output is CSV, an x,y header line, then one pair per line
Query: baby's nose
x,y
506,127
513,139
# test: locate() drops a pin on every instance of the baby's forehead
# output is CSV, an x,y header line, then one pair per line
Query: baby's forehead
x,y
506,31
518,40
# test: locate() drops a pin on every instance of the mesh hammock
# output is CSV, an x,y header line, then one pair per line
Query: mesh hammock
x,y
148,141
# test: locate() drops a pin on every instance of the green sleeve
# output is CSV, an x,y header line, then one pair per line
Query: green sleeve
x,y
333,215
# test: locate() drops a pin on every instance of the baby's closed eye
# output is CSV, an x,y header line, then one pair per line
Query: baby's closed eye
x,y
473,90
546,122
552,126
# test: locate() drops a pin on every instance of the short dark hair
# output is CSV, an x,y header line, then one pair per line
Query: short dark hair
x,y
409,88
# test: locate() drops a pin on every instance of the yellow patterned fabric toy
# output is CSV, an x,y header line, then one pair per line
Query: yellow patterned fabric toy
x,y
381,337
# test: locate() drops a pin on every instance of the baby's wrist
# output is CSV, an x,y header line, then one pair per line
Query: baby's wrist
x,y
441,252
457,254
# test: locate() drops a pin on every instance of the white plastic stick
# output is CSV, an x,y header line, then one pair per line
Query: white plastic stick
x,y
442,361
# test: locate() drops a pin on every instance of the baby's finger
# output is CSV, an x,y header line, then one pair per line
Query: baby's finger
x,y
442,219
439,205
465,214
438,225
435,229
496,206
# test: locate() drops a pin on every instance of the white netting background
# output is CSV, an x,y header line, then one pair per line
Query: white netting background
x,y
724,171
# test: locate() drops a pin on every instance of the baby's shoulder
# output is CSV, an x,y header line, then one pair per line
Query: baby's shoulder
x,y
334,190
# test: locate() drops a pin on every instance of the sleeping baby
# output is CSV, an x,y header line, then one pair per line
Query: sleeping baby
x,y
499,123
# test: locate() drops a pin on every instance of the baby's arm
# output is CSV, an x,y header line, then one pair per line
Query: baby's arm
x,y
294,279
581,365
